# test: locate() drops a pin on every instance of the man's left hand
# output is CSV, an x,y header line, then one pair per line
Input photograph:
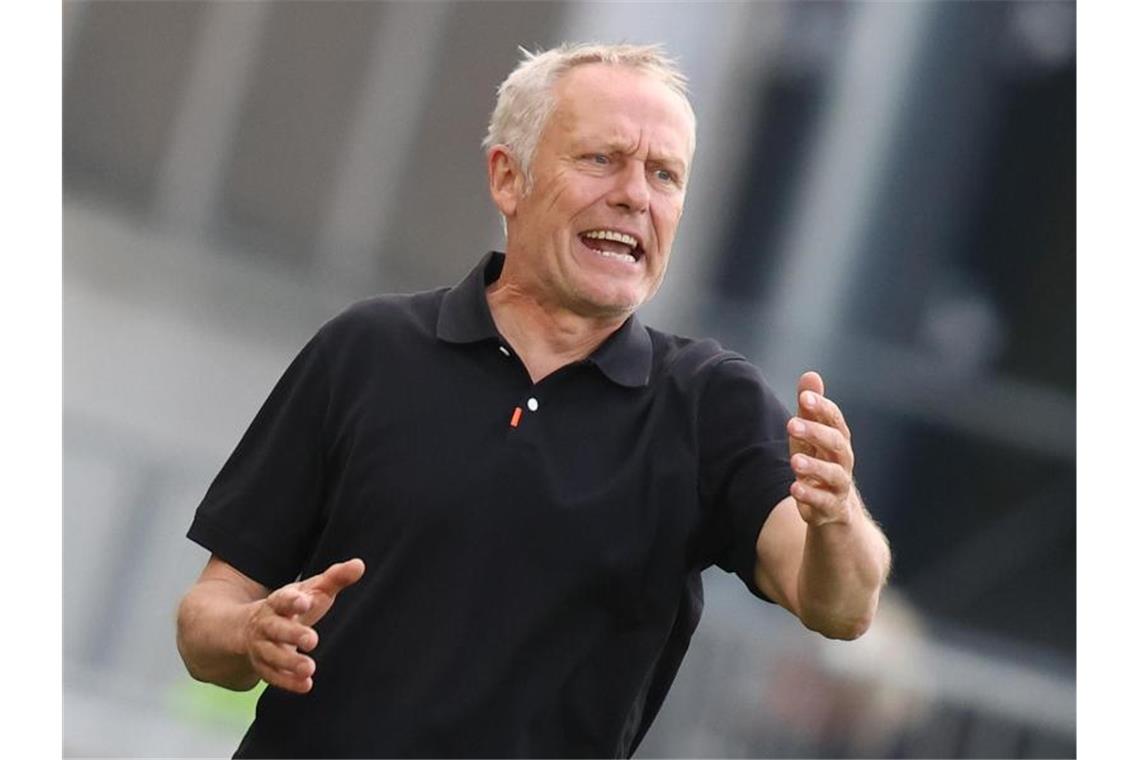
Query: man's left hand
x,y
819,444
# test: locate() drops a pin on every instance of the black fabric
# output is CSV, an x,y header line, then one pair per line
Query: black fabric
x,y
530,590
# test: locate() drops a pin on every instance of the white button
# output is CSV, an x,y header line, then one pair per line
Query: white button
x,y
504,350
532,404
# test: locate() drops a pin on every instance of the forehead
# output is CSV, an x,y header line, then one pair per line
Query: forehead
x,y
599,101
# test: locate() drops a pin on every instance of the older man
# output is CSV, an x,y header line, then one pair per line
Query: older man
x,y
533,479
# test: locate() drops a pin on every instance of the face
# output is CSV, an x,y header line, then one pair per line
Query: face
x,y
593,233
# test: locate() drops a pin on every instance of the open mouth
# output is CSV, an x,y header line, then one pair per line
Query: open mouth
x,y
611,244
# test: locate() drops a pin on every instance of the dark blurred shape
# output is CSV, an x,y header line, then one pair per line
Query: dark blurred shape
x,y
955,358
129,68
456,112
793,94
301,100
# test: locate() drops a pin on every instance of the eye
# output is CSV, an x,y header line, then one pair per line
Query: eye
x,y
600,159
664,175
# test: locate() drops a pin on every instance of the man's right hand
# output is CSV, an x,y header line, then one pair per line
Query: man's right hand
x,y
232,631
280,628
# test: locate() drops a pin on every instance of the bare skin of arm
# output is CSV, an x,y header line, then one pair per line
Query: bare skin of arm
x,y
233,632
819,554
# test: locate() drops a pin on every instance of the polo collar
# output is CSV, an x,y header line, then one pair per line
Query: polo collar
x,y
464,317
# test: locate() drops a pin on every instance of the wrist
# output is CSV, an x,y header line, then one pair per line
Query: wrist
x,y
242,641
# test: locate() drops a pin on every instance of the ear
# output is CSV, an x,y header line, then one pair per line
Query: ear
x,y
505,180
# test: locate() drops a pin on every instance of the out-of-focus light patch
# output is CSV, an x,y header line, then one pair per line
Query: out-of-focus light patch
x,y
963,328
812,38
1045,33
213,706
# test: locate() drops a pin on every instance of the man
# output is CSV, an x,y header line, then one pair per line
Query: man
x,y
526,480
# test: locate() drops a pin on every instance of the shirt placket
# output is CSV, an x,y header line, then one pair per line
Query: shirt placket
x,y
526,406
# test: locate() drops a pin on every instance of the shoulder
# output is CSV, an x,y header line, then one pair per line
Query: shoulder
x,y
721,381
384,317
693,361
372,332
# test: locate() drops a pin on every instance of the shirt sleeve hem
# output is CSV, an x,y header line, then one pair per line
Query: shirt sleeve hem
x,y
221,541
746,564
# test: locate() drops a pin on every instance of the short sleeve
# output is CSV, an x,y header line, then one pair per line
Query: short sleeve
x,y
744,467
262,512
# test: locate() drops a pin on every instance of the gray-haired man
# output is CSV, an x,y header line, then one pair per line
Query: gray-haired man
x,y
533,479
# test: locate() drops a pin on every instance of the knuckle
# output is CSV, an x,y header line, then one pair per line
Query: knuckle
x,y
264,657
270,628
282,631
264,671
278,657
827,474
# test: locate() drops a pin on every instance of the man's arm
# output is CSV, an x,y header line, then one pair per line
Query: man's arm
x,y
232,632
819,554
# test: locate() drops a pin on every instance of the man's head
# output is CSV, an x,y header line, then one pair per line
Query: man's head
x,y
589,149
526,97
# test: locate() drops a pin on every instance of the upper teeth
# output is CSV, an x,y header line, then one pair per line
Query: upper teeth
x,y
619,237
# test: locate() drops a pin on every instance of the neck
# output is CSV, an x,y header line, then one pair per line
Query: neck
x,y
546,337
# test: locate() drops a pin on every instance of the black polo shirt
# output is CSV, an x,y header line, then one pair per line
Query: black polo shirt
x,y
533,550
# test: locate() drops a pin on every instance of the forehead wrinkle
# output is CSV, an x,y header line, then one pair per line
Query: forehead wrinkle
x,y
623,142
625,136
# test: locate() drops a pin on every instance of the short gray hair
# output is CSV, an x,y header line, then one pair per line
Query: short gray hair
x,y
526,96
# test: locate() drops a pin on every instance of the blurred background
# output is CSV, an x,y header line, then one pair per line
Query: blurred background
x,y
884,192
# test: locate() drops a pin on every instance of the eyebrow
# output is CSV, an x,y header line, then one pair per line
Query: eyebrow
x,y
674,164
604,145
608,145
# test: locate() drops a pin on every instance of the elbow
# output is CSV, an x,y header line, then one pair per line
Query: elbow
x,y
837,623
845,630
840,629
183,626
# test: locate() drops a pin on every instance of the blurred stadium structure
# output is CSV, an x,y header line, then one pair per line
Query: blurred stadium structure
x,y
883,191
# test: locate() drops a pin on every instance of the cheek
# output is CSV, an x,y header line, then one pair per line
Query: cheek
x,y
554,197
666,224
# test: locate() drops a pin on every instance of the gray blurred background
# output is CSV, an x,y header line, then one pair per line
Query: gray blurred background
x,y
884,192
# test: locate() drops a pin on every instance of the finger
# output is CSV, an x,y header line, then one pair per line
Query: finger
x,y
282,657
826,440
287,680
817,506
822,409
810,381
288,601
288,631
337,577
817,472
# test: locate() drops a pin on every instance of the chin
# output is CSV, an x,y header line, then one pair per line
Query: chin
x,y
611,296
612,304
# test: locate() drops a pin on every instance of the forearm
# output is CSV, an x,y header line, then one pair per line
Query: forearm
x,y
212,626
845,564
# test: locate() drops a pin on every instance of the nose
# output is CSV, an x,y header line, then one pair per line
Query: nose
x,y
631,188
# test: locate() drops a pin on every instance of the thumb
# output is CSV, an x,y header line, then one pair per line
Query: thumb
x,y
337,577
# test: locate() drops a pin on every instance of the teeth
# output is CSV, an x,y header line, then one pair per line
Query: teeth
x,y
618,237
619,256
